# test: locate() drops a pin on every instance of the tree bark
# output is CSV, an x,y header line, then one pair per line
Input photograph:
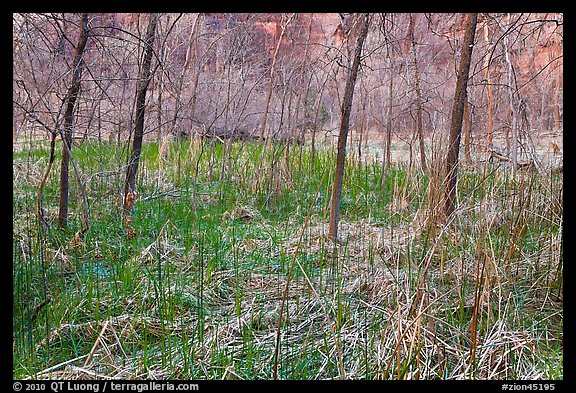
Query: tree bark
x,y
389,119
488,84
419,127
467,133
458,113
343,134
71,97
142,88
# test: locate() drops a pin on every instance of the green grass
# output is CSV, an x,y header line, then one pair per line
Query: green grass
x,y
196,293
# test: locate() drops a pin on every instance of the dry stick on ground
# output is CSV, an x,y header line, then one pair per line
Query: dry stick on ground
x,y
52,369
89,358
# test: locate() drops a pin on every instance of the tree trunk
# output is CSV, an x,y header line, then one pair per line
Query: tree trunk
x,y
488,84
318,106
263,133
512,95
264,137
467,133
389,119
143,82
71,96
419,130
159,112
361,129
343,134
302,95
192,41
458,113
557,88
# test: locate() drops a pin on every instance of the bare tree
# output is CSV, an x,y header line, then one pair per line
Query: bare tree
x,y
70,102
512,96
389,114
263,132
143,82
419,130
488,84
345,123
458,112
389,104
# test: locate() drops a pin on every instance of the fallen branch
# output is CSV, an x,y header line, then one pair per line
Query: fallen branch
x,y
89,358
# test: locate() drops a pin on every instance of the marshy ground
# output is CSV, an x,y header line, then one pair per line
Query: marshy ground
x,y
228,257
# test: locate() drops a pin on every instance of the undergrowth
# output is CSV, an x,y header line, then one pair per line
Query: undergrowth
x,y
219,234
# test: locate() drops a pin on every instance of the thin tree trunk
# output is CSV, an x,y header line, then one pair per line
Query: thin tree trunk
x,y
99,122
419,130
488,84
264,119
467,133
513,106
361,129
159,112
316,113
198,70
558,85
77,65
386,163
389,119
300,127
143,82
458,113
543,113
343,134
507,128
178,105
264,134
301,99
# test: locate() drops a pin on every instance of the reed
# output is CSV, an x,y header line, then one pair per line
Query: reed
x,y
230,273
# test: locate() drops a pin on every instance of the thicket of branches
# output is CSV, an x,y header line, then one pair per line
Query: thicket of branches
x,y
214,72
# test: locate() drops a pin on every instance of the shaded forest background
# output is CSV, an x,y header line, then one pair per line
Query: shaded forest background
x,y
213,72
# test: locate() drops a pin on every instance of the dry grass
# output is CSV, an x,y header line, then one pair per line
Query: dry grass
x,y
476,298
